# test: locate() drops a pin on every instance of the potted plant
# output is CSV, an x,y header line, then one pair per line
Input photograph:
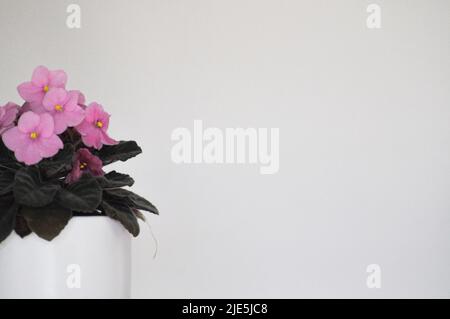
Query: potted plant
x,y
65,223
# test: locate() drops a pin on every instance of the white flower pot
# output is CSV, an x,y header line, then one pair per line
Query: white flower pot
x,y
91,258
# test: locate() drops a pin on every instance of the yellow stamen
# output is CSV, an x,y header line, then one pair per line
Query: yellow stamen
x,y
83,165
33,135
99,124
58,107
46,88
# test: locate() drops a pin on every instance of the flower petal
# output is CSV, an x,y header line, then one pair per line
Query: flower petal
x,y
93,111
30,155
9,111
85,128
57,78
71,101
107,140
49,146
28,122
104,118
75,174
36,108
46,125
15,139
54,97
5,128
60,122
40,76
81,98
93,139
30,92
75,117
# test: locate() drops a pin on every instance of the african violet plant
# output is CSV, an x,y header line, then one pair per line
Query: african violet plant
x,y
52,152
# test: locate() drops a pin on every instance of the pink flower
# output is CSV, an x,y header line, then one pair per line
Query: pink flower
x,y
34,106
64,108
81,98
41,82
8,115
93,128
33,138
39,108
85,162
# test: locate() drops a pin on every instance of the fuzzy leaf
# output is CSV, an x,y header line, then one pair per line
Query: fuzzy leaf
x,y
8,211
6,156
122,151
29,190
63,159
119,211
138,214
83,195
6,181
47,222
133,199
114,180
7,159
21,227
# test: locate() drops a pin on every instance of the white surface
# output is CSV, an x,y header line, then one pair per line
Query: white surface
x,y
94,250
364,136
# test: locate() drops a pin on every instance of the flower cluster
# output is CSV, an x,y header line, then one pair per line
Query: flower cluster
x,y
53,150
49,110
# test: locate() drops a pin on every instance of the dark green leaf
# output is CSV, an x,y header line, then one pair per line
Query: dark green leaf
x,y
6,156
114,180
138,214
22,228
133,199
6,181
119,211
8,211
119,152
62,160
7,159
47,222
29,190
83,195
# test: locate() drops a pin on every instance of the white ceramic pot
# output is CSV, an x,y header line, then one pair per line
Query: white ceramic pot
x,y
91,258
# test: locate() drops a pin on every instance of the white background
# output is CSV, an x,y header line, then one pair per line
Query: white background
x,y
364,136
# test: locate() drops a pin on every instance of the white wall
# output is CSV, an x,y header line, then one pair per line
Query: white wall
x,y
364,136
